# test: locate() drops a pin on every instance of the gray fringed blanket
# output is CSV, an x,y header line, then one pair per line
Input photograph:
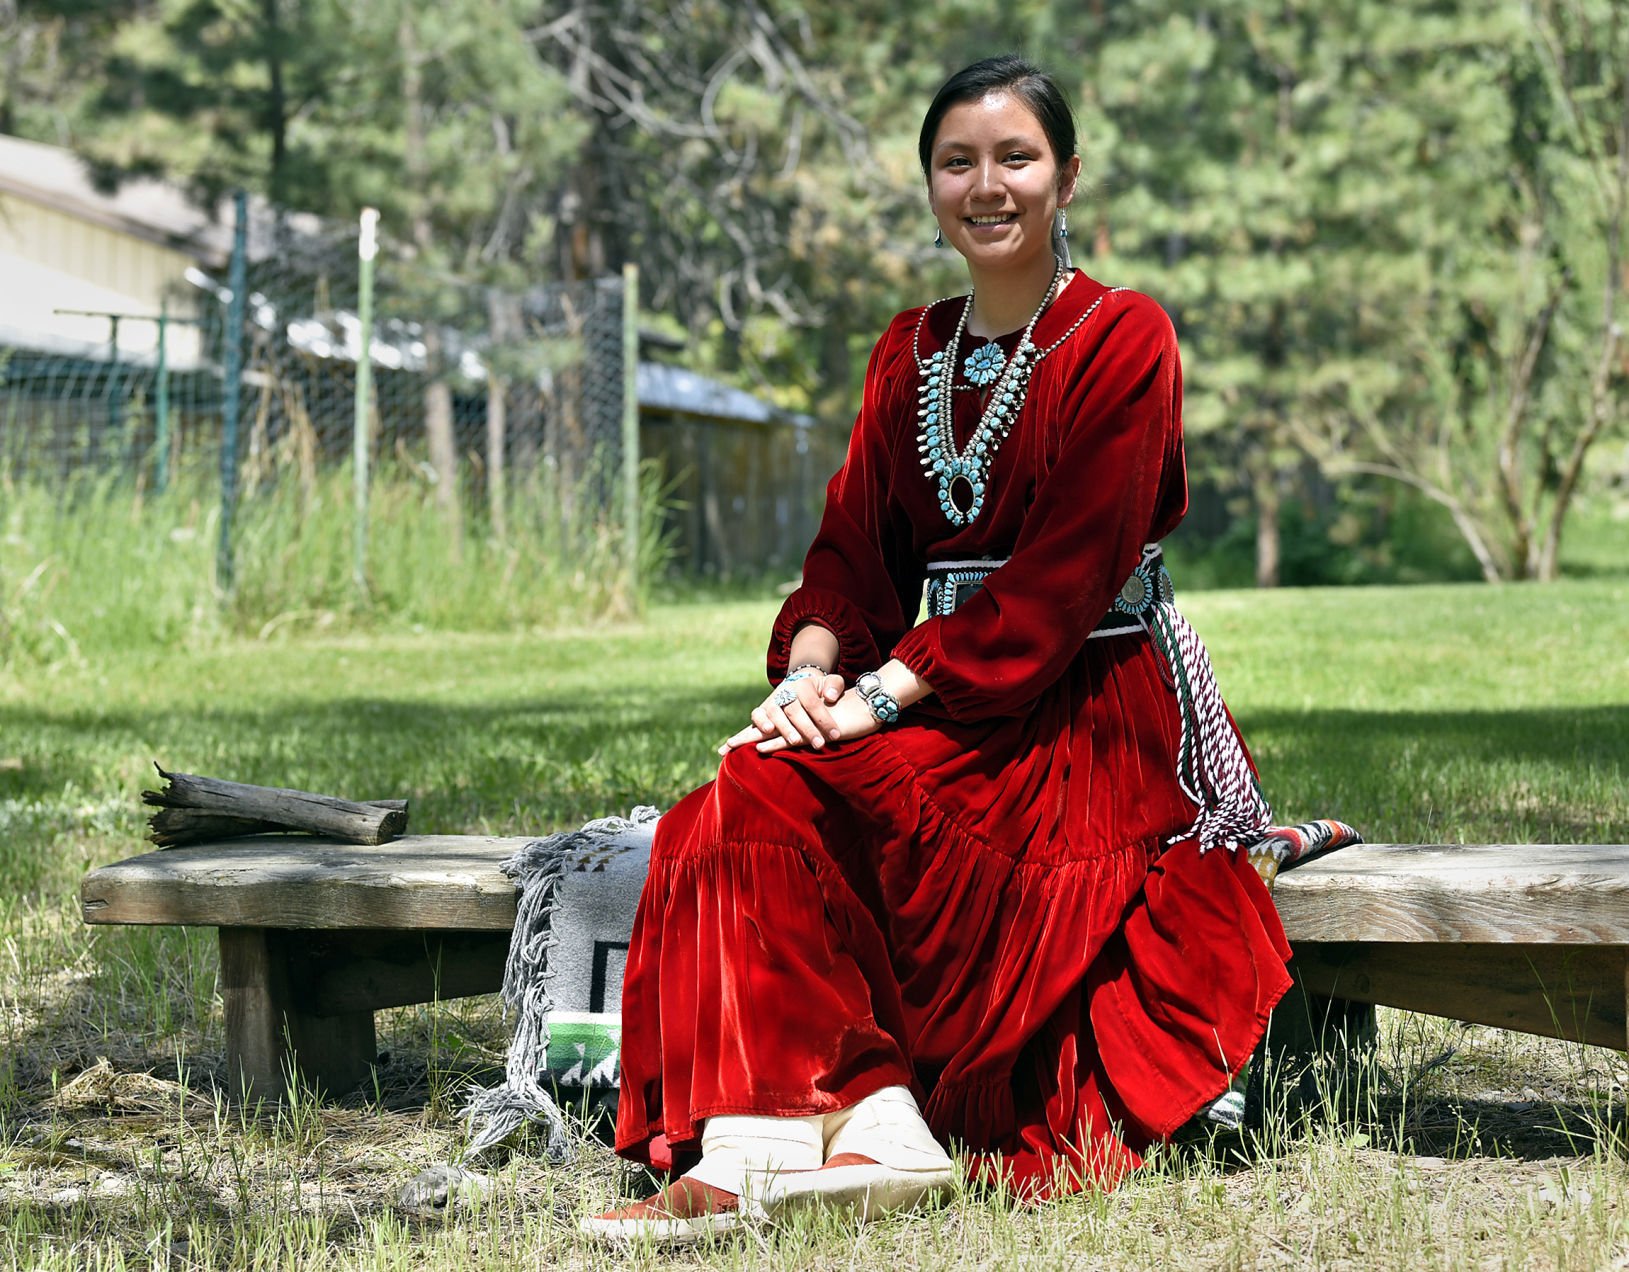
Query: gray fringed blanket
x,y
563,980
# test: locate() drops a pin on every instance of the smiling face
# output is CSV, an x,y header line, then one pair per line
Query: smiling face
x,y
994,183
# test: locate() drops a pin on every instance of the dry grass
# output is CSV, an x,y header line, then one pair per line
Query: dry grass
x,y
1473,1148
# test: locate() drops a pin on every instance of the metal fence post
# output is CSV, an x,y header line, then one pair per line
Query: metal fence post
x,y
630,425
366,249
115,404
161,404
238,282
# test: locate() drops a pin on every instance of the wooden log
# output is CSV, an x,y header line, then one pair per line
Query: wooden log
x,y
173,827
288,809
176,827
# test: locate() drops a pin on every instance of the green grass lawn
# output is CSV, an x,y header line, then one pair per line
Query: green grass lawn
x,y
1420,714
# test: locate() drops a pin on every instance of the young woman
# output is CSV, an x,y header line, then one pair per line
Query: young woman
x,y
970,876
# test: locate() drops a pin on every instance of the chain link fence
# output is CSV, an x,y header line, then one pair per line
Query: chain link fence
x,y
251,373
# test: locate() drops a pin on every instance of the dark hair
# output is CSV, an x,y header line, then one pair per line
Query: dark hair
x,y
1008,73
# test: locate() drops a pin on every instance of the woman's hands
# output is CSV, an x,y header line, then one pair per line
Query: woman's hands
x,y
810,719
818,708
821,711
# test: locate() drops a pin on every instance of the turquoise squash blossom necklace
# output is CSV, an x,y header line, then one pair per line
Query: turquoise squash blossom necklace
x,y
961,475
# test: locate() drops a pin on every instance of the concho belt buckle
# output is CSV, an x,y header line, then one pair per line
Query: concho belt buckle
x,y
949,590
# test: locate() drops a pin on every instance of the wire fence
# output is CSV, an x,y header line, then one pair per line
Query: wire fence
x,y
235,372
251,373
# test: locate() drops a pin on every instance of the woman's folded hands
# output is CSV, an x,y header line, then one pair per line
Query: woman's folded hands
x,y
810,711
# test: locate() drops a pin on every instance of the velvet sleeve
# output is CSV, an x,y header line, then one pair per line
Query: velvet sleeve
x,y
1117,471
859,579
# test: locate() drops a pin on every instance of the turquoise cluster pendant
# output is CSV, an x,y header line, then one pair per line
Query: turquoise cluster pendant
x,y
961,476
985,364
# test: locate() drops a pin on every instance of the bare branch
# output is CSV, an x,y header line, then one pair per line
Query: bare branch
x,y
1463,520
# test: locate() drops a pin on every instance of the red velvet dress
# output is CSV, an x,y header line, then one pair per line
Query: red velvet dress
x,y
981,902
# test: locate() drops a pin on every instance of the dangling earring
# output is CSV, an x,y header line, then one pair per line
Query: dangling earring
x,y
938,238
1060,239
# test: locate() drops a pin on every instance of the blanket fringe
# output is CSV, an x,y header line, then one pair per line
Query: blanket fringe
x,y
493,1115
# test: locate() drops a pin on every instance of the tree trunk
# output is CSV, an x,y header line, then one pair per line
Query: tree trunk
x,y
11,40
438,411
1266,495
1610,159
276,104
582,240
503,320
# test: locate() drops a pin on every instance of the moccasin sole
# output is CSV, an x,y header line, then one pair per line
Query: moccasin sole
x,y
662,1232
866,1191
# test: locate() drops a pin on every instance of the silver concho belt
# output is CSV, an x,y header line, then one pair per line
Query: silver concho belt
x,y
952,584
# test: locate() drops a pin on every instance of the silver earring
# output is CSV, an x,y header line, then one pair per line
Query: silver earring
x,y
1060,240
938,238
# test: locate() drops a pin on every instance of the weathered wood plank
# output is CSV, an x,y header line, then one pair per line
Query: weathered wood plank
x,y
1570,894
355,970
254,988
1525,894
341,819
1527,937
1575,992
418,881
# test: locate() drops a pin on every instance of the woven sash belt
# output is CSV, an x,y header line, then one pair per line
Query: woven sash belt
x,y
951,584
1212,767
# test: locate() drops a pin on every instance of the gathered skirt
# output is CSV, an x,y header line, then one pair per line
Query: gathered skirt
x,y
992,913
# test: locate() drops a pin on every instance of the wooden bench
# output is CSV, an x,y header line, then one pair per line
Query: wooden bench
x,y
315,936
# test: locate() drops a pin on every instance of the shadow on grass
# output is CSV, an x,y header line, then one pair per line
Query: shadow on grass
x,y
1319,738
1451,1128
574,725
536,764
430,1053
1520,775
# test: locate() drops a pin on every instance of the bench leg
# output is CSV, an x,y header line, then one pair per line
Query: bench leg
x,y
270,1039
1315,1055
